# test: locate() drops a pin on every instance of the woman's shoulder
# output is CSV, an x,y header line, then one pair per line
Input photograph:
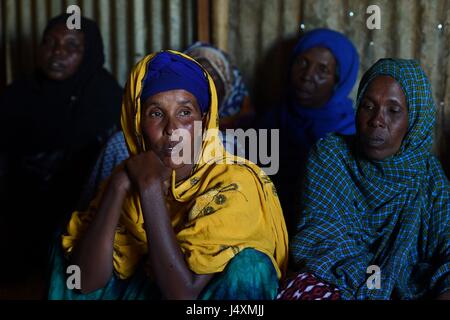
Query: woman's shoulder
x,y
103,94
335,147
241,173
236,168
116,147
269,118
439,184
117,140
104,82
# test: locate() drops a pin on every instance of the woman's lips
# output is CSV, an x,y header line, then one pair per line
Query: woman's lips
x,y
56,66
375,141
303,93
168,149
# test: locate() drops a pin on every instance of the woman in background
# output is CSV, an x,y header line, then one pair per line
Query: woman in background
x,y
53,124
323,72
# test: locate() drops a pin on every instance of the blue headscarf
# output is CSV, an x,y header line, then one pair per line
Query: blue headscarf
x,y
301,127
168,71
337,115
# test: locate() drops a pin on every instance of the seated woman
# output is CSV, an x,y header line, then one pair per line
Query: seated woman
x,y
323,72
164,228
379,199
235,111
53,124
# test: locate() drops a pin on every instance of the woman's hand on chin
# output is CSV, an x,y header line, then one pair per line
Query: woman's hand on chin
x,y
146,170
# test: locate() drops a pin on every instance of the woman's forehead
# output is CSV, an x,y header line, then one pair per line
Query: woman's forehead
x,y
320,53
61,29
387,85
171,97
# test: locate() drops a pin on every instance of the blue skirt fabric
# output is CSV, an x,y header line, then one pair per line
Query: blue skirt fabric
x,y
250,275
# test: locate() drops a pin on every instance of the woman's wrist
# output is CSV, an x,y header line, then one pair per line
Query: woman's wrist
x,y
120,182
150,186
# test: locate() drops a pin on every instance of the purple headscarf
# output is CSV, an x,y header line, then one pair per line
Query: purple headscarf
x,y
168,71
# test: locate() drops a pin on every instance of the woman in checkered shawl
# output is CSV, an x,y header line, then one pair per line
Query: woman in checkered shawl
x,y
379,198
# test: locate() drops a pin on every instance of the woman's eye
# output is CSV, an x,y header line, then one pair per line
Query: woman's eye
x,y
395,110
185,113
301,62
73,46
155,114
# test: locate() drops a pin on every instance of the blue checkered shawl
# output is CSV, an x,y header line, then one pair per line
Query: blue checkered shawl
x,y
392,213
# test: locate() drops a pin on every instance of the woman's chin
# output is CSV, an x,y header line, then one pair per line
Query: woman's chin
x,y
172,163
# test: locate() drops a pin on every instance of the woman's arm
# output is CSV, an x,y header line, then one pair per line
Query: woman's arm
x,y
173,275
94,252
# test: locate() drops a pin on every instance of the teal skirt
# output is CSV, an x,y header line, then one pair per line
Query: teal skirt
x,y
250,275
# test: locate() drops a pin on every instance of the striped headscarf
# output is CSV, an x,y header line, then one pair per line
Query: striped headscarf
x,y
235,88
393,213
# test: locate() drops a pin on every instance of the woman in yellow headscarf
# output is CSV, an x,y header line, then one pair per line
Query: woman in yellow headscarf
x,y
169,225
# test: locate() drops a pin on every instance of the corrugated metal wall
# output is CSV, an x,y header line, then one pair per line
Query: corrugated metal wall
x,y
258,34
130,29
409,30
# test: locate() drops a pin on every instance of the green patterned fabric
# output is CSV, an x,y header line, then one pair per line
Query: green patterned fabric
x,y
250,275
392,213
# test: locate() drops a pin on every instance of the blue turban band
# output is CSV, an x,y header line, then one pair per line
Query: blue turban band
x,y
168,71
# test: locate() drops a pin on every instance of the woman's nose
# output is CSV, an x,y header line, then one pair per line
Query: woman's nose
x,y
308,72
57,49
378,120
170,127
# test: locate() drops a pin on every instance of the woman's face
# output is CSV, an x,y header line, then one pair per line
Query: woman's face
x,y
313,77
165,112
61,52
382,118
